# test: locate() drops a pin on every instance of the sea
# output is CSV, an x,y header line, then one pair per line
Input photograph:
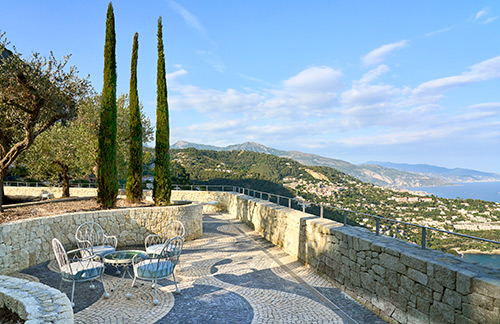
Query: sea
x,y
487,260
488,191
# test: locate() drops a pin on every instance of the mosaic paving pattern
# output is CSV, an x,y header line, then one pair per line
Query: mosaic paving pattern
x,y
230,275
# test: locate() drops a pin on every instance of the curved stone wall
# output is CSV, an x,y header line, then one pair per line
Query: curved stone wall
x,y
25,243
35,302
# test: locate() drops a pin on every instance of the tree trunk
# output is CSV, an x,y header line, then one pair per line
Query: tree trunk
x,y
1,191
65,181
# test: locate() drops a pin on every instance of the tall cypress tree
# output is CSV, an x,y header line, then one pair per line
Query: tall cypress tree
x,y
134,175
107,176
162,185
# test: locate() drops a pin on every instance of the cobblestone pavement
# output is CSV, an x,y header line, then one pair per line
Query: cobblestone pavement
x,y
229,275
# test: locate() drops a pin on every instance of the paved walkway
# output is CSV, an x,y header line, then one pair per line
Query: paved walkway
x,y
230,275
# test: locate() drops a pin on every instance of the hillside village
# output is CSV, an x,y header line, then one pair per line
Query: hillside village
x,y
401,205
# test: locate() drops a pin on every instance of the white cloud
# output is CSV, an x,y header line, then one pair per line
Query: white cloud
x,y
480,14
374,74
309,93
213,59
486,106
368,95
322,78
314,104
401,137
482,17
209,56
189,18
379,54
212,101
482,71
489,20
440,31
312,92
173,75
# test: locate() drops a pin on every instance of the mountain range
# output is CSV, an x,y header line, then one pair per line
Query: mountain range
x,y
371,173
445,174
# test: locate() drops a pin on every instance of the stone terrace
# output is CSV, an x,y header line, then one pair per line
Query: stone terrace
x,y
229,275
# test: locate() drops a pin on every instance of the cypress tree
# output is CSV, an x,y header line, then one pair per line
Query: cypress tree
x,y
134,175
107,176
162,184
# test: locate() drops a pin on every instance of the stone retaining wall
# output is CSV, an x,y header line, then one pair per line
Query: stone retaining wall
x,y
54,192
35,302
397,280
24,243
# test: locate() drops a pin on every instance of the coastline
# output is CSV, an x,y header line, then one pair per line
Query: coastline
x,y
488,191
474,251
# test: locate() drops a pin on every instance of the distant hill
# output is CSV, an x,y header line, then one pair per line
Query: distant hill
x,y
445,174
375,174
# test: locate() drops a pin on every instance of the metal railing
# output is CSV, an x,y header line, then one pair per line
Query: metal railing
x,y
379,225
46,184
51,184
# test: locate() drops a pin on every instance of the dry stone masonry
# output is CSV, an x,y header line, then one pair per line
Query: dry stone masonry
x,y
35,302
27,242
397,280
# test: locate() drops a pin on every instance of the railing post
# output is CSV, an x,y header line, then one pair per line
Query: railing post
x,y
261,195
321,211
345,217
278,200
424,232
304,207
377,226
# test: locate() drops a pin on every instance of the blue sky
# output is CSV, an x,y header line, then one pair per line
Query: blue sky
x,y
399,81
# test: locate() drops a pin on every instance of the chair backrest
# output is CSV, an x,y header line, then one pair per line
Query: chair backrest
x,y
60,253
172,249
174,229
89,234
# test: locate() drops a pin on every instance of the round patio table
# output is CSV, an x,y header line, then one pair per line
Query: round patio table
x,y
123,259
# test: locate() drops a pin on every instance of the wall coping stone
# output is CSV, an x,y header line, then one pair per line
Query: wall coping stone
x,y
35,302
405,270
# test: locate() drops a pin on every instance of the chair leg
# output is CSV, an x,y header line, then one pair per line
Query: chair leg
x,y
92,286
155,301
106,294
177,290
73,294
129,294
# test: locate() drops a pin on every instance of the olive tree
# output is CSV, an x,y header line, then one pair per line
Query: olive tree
x,y
69,150
35,93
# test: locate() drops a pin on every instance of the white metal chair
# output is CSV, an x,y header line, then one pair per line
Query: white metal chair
x,y
90,237
77,269
158,266
154,243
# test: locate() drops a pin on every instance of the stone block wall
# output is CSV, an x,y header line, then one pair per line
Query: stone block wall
x,y
397,280
35,302
24,243
54,192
